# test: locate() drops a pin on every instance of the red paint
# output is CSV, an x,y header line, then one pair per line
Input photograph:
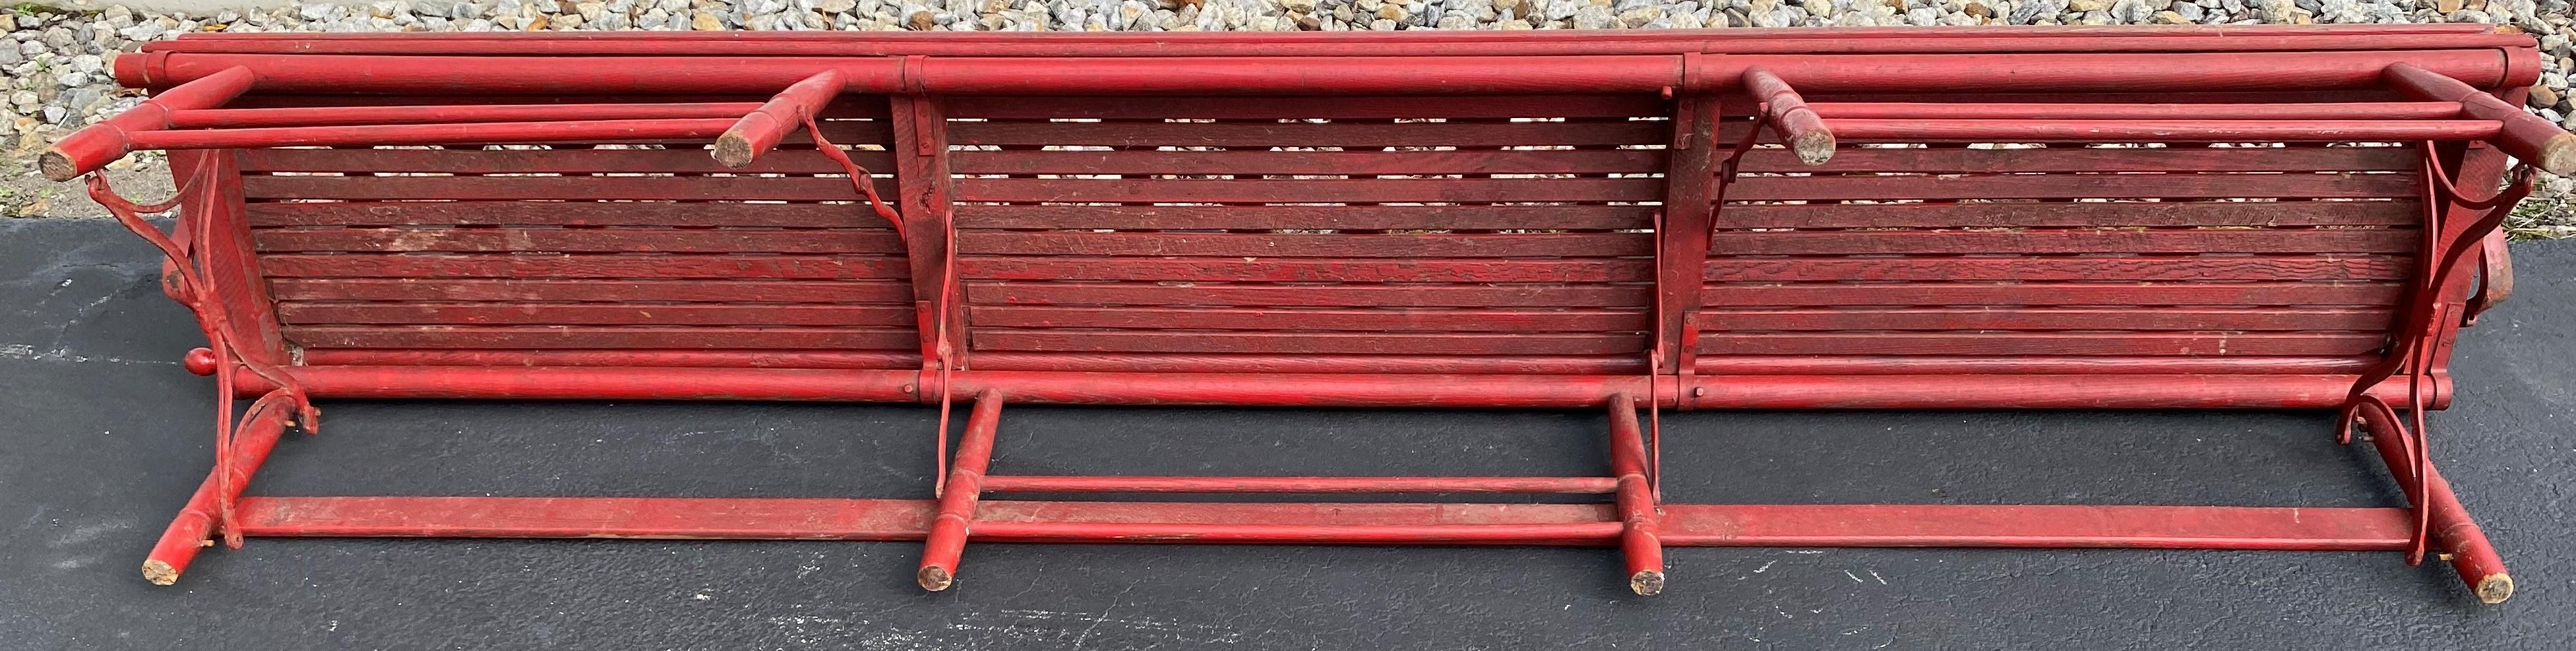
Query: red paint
x,y
1686,525
94,146
1572,221
1789,118
201,517
763,128
1867,130
955,518
360,115
2306,111
1641,523
2040,387
431,134
1092,74
2525,136
1070,484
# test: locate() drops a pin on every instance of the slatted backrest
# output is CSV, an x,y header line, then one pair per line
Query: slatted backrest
x,y
1241,232
2189,257
609,247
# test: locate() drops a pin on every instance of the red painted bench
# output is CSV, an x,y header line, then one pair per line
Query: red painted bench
x,y
2298,218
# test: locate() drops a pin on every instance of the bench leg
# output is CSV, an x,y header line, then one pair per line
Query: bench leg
x,y
1639,539
2454,537
951,523
194,528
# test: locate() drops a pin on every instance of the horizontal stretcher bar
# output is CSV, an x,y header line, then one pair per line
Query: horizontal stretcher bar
x,y
458,113
1342,390
1732,41
1400,364
1748,525
960,47
1876,130
1096,484
2104,111
1858,73
1791,33
432,134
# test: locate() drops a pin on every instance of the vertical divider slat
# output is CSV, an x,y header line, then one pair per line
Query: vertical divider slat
x,y
920,148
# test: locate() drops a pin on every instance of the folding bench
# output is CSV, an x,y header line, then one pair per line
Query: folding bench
x,y
1632,222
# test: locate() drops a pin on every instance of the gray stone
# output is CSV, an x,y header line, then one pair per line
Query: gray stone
x,y
2029,11
1592,16
84,98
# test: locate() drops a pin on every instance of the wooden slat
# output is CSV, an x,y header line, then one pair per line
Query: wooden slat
x,y
1949,160
1570,161
551,161
2043,268
2049,293
563,357
2075,186
1365,320
1307,217
313,313
561,213
2073,214
1991,318
1310,134
849,106
1928,215
2321,133
2196,344
846,133
1448,343
582,266
1308,190
2327,240
564,188
1044,293
578,241
604,337
1364,270
1331,245
707,291
1292,107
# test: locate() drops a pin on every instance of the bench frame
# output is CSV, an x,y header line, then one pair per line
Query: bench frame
x,y
2469,136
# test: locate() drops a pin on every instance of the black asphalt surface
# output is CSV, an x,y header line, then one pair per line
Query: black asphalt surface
x,y
106,435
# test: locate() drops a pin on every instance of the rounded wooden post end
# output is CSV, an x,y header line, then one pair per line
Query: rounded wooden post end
x,y
161,573
57,165
1814,147
1648,583
199,361
935,578
733,150
2495,588
2558,156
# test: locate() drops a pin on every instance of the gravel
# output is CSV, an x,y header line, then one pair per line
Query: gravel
x,y
55,56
